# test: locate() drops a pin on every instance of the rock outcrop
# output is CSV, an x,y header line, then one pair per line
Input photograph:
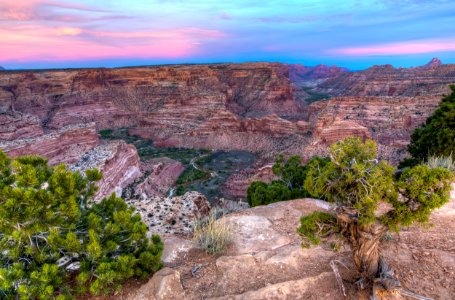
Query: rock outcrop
x,y
16,125
266,260
160,175
65,145
119,163
388,120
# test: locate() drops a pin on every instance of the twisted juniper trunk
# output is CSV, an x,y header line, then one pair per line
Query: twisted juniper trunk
x,y
364,241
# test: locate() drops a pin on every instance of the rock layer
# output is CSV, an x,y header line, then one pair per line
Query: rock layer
x,y
65,145
117,161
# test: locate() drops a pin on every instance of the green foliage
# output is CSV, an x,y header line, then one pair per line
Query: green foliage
x,y
291,173
55,244
106,133
316,226
354,178
437,135
422,190
191,174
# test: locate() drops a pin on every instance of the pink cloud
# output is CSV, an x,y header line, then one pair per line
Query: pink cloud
x,y
36,42
42,10
408,47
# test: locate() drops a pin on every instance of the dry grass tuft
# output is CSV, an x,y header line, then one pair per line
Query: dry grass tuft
x,y
446,162
212,235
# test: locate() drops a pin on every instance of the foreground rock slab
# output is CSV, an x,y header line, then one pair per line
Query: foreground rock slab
x,y
164,285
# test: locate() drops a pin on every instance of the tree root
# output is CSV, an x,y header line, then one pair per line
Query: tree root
x,y
386,284
338,278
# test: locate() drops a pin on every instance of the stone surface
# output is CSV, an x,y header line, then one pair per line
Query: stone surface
x,y
164,285
254,233
172,215
174,247
293,289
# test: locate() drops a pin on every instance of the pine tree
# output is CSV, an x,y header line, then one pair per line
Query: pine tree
x,y
56,243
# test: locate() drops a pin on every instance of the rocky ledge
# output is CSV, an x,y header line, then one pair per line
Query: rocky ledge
x,y
266,260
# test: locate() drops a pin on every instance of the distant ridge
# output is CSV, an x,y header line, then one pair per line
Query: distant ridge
x,y
1,68
435,62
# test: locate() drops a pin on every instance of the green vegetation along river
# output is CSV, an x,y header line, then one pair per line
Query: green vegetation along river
x,y
205,170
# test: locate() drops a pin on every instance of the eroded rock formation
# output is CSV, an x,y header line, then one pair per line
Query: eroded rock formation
x,y
65,145
119,163
256,107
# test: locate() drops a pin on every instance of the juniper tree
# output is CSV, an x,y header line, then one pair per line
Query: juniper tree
x,y
55,242
358,182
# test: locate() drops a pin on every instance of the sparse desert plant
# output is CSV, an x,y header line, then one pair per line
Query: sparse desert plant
x,y
211,234
357,182
446,162
56,243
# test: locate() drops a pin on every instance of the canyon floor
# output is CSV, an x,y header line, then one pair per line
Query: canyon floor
x,y
266,261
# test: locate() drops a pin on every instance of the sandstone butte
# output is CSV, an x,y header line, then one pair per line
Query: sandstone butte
x,y
259,107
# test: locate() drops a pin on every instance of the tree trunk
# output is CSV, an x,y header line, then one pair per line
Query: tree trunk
x,y
364,241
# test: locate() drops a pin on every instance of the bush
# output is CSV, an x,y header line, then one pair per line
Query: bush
x,y
191,174
316,226
212,235
291,175
55,244
437,135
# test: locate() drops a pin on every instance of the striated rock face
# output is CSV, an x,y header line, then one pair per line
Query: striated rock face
x,y
119,163
385,80
16,125
389,120
160,175
65,145
256,107
237,184
311,75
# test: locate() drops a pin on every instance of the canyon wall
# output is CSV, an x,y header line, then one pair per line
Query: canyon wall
x,y
258,107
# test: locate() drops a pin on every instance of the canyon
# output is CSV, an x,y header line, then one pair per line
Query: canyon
x,y
262,109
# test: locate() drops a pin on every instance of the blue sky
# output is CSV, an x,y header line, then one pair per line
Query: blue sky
x,y
353,33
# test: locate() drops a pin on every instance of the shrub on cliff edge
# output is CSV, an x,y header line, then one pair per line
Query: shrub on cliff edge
x,y
358,182
291,175
54,244
437,135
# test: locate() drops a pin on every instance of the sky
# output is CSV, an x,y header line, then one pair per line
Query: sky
x,y
109,33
